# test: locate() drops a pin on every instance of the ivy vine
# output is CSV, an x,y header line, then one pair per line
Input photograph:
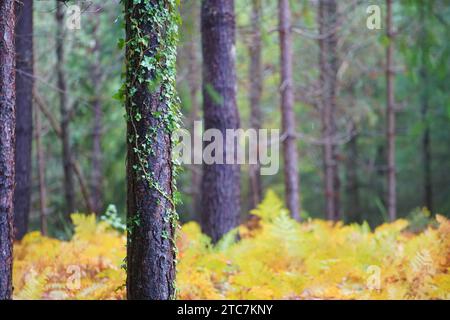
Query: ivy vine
x,y
151,61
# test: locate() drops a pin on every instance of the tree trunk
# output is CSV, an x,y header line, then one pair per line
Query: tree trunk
x,y
191,23
352,192
426,136
390,114
151,30
97,167
220,182
328,72
41,175
7,144
69,191
255,75
24,118
291,176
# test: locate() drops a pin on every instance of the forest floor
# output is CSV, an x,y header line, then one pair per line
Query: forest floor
x,y
276,258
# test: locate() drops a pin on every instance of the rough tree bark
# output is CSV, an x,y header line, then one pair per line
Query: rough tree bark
x,y
255,75
24,118
291,176
150,208
328,72
69,190
7,144
220,182
390,117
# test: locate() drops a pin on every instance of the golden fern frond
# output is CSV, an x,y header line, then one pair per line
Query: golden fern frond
x,y
34,287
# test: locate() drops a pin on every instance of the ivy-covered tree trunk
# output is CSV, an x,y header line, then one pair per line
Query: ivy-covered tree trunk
x,y
290,155
152,112
220,182
24,118
7,141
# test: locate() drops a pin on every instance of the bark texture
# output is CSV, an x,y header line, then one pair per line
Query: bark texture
x,y
220,182
255,75
290,154
150,249
7,144
24,117
328,72
69,189
390,118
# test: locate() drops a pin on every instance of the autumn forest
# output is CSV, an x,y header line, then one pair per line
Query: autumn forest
x,y
224,150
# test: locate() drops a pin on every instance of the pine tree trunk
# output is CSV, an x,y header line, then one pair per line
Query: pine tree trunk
x,y
191,22
291,176
328,72
24,118
220,182
41,175
255,75
69,191
7,144
150,208
352,192
390,113
24,88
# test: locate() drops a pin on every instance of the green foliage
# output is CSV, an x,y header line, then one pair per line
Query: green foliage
x,y
113,218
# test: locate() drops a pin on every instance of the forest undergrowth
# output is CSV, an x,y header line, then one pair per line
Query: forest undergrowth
x,y
276,258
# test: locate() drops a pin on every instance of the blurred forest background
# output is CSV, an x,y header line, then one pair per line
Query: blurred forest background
x,y
94,129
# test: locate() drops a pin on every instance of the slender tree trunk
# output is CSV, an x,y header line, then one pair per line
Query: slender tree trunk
x,y
426,136
191,23
24,118
354,213
255,80
220,182
291,176
196,170
328,72
41,175
7,144
74,165
97,167
390,132
69,191
150,208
